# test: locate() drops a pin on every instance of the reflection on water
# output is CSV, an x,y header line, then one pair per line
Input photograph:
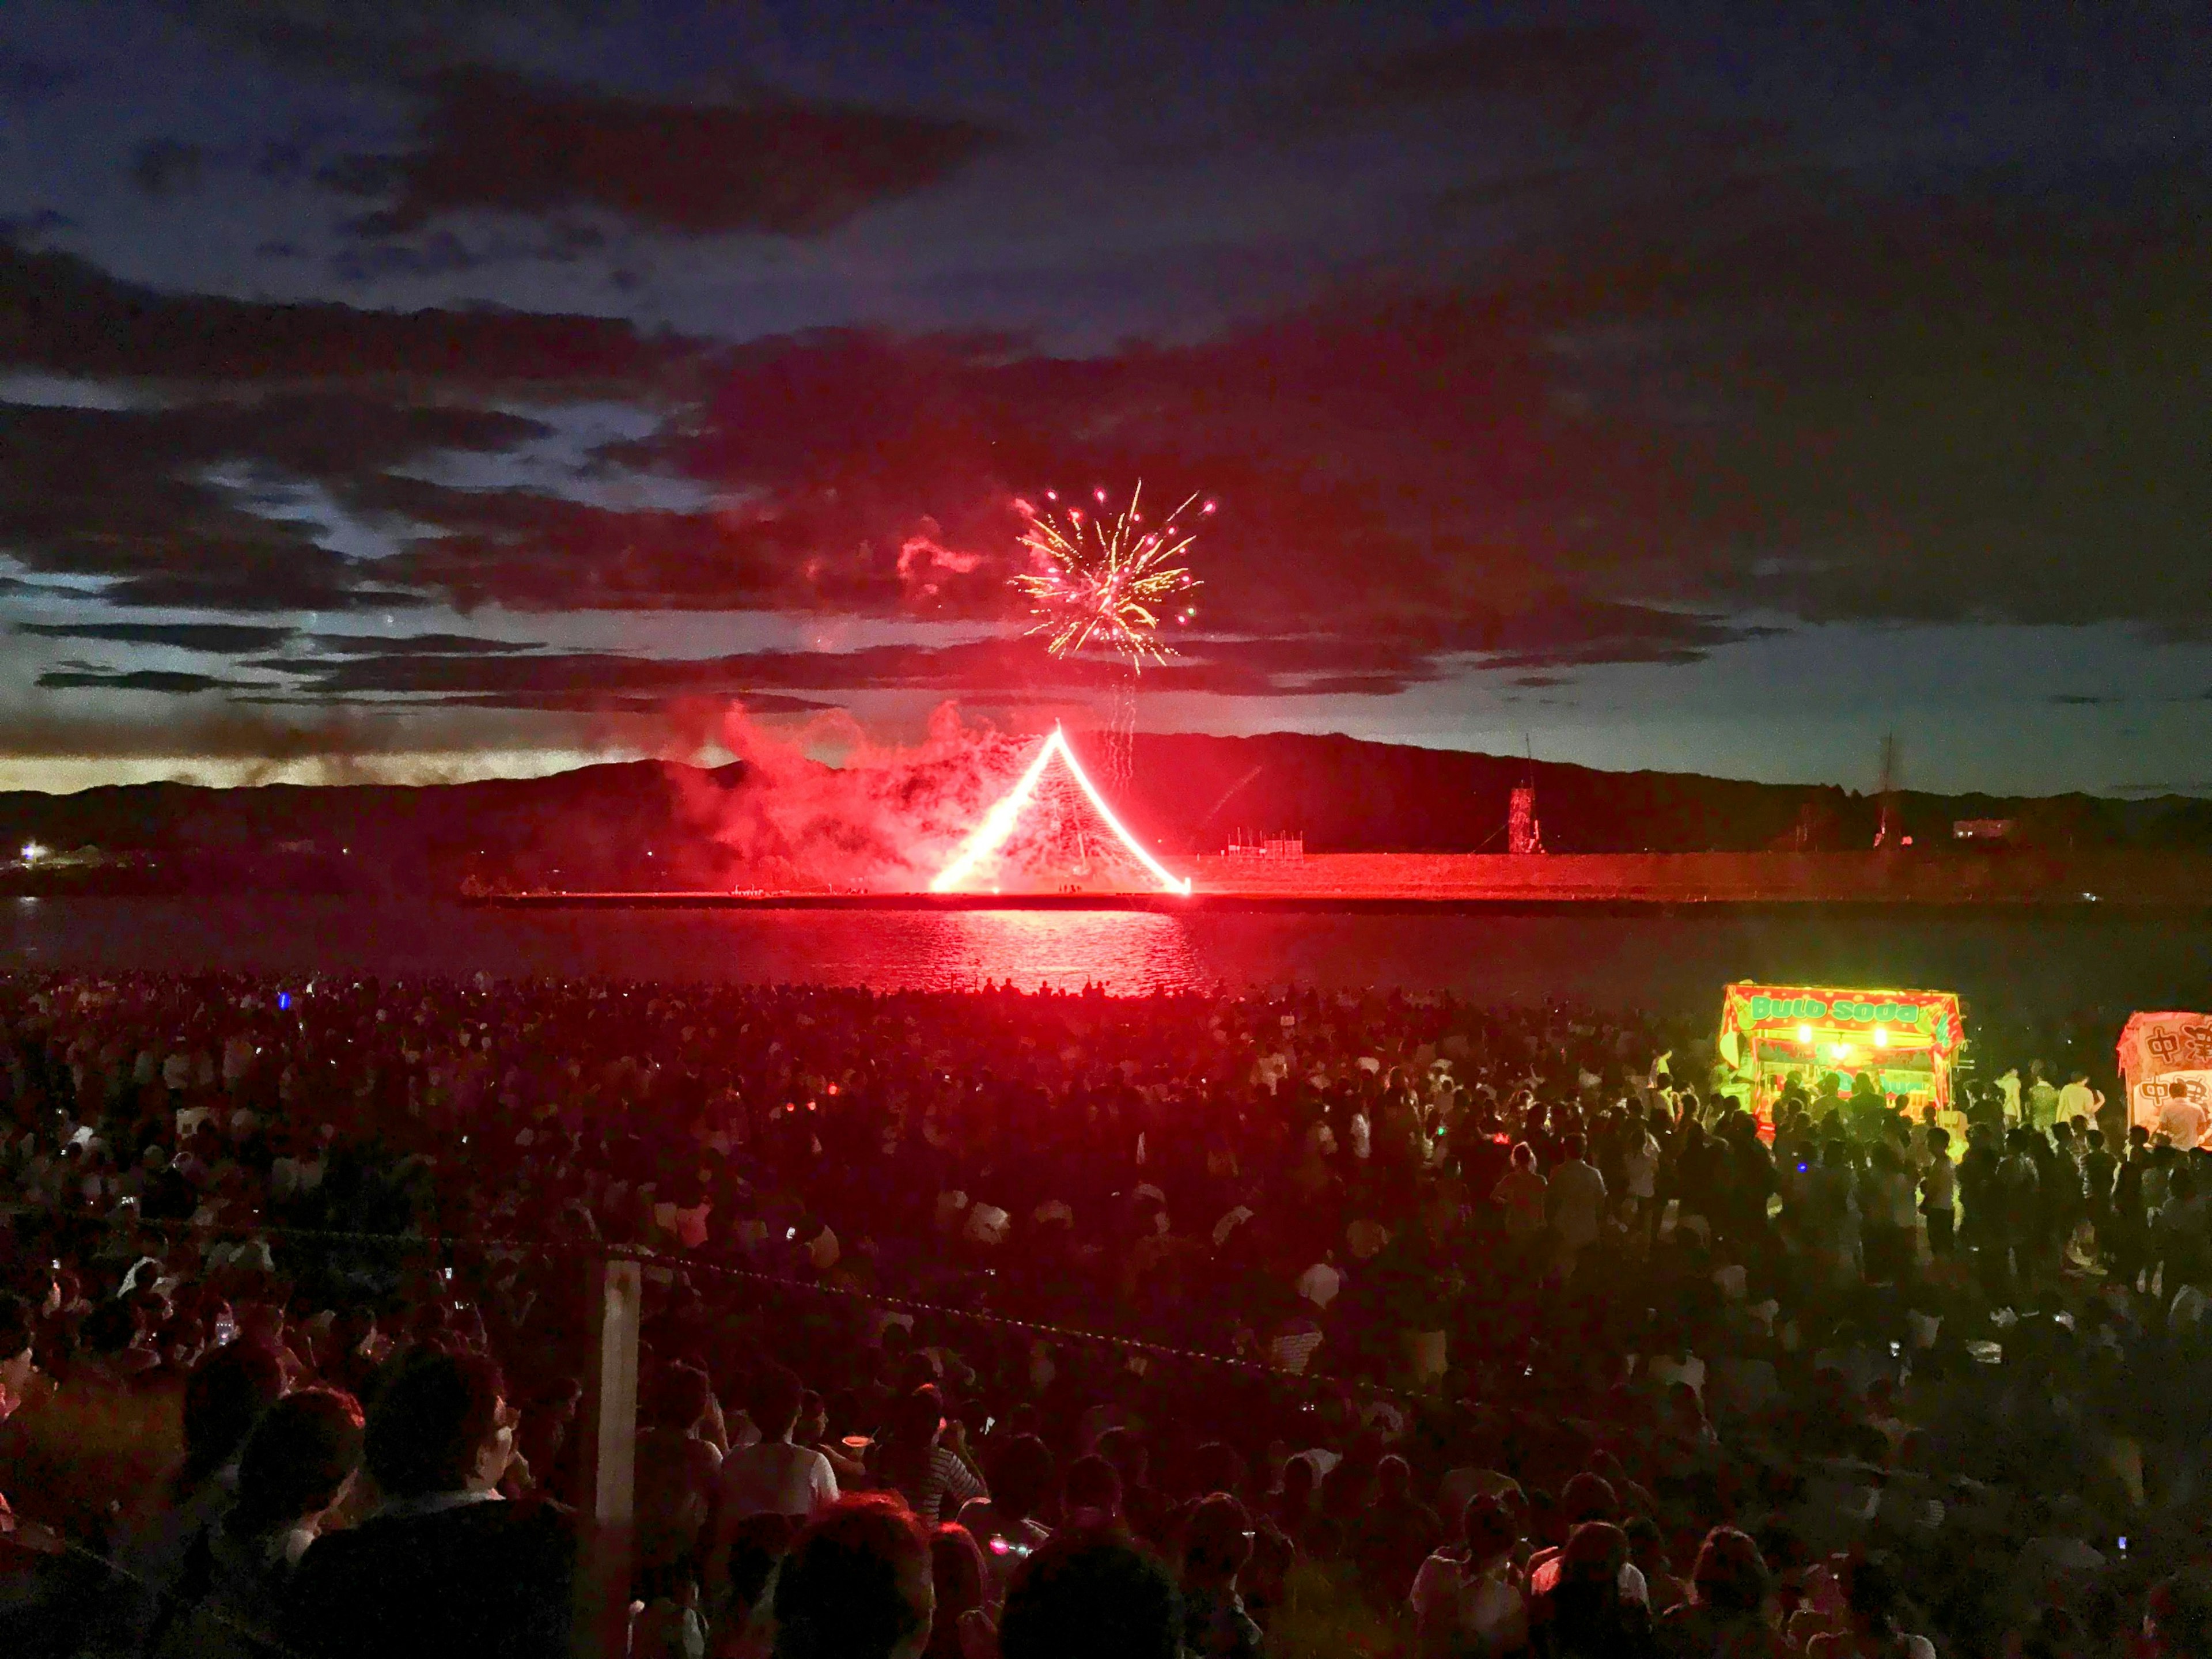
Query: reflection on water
x,y
1125,952
1128,953
2014,962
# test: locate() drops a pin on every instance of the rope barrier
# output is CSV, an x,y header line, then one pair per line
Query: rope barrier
x,y
646,1255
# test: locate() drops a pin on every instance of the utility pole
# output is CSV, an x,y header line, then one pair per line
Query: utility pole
x,y
1889,831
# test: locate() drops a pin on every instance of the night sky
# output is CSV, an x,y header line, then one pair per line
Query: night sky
x,y
428,389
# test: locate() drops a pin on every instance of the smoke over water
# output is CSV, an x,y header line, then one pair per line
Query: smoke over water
x,y
890,816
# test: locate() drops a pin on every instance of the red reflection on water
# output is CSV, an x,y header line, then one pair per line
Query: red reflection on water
x,y
1127,953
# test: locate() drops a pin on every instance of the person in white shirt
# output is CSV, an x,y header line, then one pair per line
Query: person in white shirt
x,y
1939,1188
1640,1167
2181,1120
774,1477
1577,1197
1465,1601
1320,1283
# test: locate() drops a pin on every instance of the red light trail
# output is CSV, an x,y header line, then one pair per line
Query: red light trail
x,y
997,824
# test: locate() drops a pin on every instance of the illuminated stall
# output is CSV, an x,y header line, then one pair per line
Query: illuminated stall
x,y
2165,1065
1908,1041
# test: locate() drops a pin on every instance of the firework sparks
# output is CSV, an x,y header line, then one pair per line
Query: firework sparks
x,y
1106,579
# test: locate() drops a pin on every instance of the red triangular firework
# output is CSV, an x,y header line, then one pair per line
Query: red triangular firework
x,y
992,832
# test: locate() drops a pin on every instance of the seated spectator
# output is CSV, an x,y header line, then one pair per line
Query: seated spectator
x,y
857,1585
298,1464
1091,1594
1583,1612
2179,1625
1726,1612
925,1458
1216,1548
1396,1533
1587,1497
445,1567
224,1399
1467,1600
1093,1497
1005,1524
1872,1602
960,1627
18,1341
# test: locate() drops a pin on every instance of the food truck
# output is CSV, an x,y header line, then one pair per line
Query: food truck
x,y
1771,1035
2166,1065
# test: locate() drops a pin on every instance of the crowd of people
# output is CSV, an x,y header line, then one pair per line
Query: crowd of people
x,y
996,1323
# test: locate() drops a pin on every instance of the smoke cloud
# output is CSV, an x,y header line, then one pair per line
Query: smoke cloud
x,y
889,817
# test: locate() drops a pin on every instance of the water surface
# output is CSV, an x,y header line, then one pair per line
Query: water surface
x,y
2036,965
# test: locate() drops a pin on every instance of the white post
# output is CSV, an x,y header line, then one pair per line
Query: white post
x,y
607,1521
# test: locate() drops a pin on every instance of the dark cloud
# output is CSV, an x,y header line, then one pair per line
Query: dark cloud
x,y
220,637
59,311
1986,407
128,493
446,671
424,645
162,167
1573,68
136,680
496,140
1781,393
1393,474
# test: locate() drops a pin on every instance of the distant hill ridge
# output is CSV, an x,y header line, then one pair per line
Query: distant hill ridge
x,y
648,823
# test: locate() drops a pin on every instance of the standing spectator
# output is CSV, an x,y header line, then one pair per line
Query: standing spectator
x,y
677,1472
2129,1244
2078,1099
2039,1104
775,1476
1886,1210
1520,1193
1640,1165
446,1567
2099,1170
1939,1194
1576,1203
